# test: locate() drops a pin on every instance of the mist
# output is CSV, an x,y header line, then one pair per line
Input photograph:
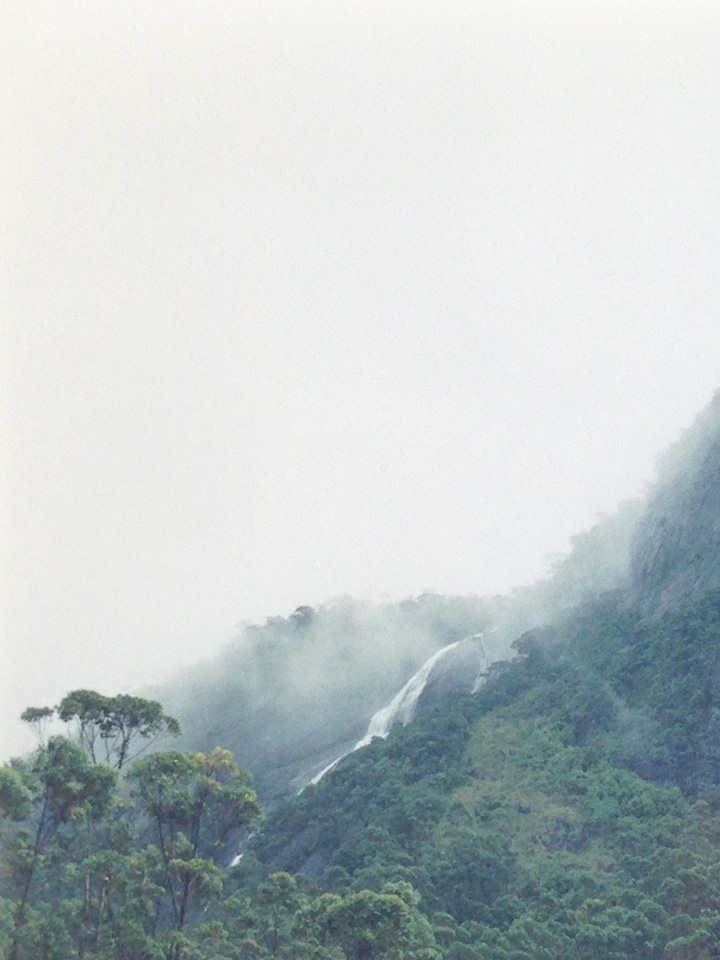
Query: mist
x,y
289,694
292,694
304,302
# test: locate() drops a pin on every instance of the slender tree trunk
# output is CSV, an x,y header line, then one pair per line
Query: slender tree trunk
x,y
123,748
19,918
186,884
195,843
166,863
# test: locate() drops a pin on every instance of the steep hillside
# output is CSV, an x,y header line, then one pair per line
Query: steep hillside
x,y
570,807
556,813
676,548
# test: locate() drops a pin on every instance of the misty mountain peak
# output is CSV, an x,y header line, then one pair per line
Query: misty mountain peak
x,y
677,542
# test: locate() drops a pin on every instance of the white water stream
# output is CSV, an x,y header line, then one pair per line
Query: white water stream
x,y
401,708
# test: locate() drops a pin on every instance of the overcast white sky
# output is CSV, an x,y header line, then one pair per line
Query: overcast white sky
x,y
310,298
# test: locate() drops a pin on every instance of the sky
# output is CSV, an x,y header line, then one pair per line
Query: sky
x,y
304,299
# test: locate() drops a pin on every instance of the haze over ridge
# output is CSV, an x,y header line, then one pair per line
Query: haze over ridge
x,y
305,302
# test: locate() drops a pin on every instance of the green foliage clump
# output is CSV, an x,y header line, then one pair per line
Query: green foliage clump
x,y
79,873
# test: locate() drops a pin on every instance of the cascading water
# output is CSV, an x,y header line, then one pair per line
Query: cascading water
x,y
401,708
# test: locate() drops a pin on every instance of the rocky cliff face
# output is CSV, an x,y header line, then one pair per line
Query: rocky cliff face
x,y
676,551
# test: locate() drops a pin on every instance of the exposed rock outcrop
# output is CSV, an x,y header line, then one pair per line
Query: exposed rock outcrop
x,y
676,550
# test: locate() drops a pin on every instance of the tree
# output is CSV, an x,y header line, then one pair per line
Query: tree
x,y
68,787
113,724
193,801
279,897
367,924
38,718
16,799
114,903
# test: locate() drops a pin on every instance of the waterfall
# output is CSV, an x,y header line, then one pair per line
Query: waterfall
x,y
401,708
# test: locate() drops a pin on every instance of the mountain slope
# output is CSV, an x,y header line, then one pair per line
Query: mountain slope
x,y
569,808
518,814
677,545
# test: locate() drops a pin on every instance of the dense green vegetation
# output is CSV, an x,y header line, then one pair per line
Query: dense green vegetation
x,y
567,810
519,815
